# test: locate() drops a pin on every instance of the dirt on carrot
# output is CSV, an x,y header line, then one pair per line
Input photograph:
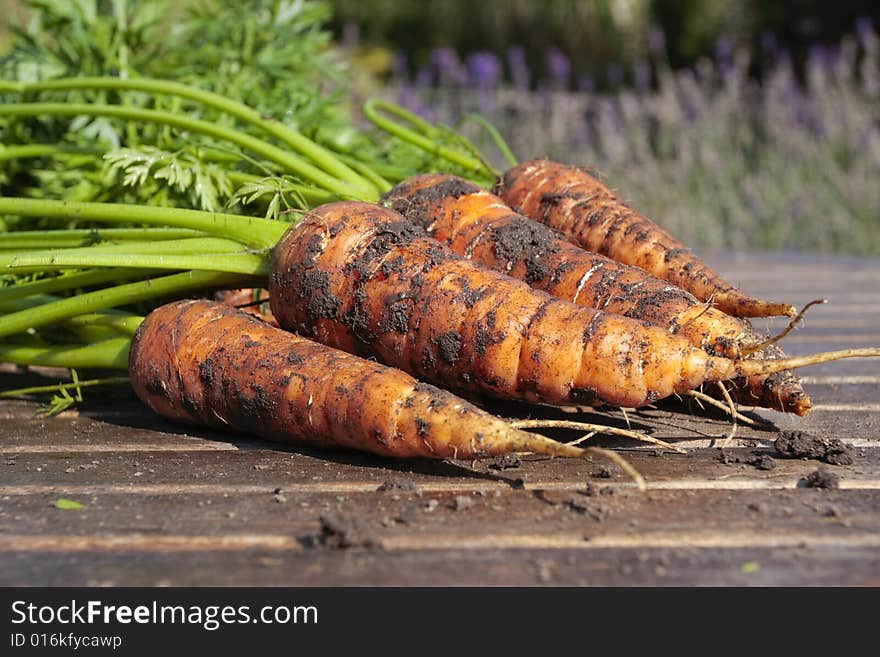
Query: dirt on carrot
x,y
362,278
478,225
211,365
578,205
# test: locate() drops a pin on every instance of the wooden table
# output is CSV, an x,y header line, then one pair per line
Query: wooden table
x,y
170,505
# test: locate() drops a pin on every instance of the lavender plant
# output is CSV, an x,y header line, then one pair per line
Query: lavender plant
x,y
790,162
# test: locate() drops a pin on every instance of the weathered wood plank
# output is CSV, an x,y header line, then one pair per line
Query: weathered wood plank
x,y
802,565
342,472
427,518
514,537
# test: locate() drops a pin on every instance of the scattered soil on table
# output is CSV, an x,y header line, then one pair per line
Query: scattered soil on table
x,y
462,502
761,460
339,532
820,478
802,445
399,484
597,512
505,461
758,459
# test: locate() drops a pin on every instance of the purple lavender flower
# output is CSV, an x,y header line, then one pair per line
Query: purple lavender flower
x,y
448,67
769,45
399,66
519,69
408,98
642,75
865,29
424,78
657,41
559,67
484,69
586,84
614,74
724,56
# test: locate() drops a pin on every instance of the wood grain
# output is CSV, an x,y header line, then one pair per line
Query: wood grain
x,y
166,504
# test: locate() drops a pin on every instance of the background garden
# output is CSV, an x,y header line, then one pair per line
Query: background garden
x,y
746,125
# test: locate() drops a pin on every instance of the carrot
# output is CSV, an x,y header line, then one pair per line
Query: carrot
x,y
575,203
208,364
362,278
477,224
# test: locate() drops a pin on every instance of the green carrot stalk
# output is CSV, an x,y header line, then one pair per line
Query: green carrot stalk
x,y
108,354
57,311
70,281
290,162
24,151
319,155
240,263
74,237
369,173
251,231
426,139
75,385
23,303
388,172
185,246
125,324
206,253
107,322
495,136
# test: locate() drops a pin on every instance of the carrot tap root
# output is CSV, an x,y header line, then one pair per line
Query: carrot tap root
x,y
745,351
522,441
752,367
594,429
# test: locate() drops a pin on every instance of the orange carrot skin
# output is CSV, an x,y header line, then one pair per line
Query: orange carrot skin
x,y
362,278
477,224
245,298
576,204
781,391
211,365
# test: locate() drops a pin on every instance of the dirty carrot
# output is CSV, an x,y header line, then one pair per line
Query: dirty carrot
x,y
578,205
208,364
478,225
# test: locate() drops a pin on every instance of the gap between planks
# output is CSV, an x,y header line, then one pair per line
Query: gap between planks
x,y
686,443
129,447
436,541
844,338
855,379
786,482
867,407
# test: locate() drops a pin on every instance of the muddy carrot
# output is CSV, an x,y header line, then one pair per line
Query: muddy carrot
x,y
208,364
578,205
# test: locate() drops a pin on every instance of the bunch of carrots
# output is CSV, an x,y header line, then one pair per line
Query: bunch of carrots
x,y
395,295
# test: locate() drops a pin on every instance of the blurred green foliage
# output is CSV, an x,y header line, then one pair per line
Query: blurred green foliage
x,y
600,30
594,34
